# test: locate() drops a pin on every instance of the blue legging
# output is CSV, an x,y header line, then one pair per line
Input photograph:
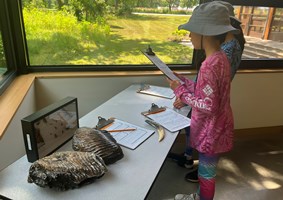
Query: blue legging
x,y
206,175
189,149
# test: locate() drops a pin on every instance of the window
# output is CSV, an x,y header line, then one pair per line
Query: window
x,y
72,34
59,35
114,33
3,64
8,61
263,28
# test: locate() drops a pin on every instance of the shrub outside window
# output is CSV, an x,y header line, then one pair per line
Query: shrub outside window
x,y
114,33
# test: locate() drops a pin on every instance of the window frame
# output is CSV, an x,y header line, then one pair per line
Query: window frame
x,y
264,3
256,64
5,33
17,58
11,24
250,64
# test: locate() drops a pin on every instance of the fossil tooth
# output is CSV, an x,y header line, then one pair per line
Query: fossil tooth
x,y
101,142
67,170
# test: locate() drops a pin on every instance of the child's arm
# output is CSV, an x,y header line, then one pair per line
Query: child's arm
x,y
189,84
206,96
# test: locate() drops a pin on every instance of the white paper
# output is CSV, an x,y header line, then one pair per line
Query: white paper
x,y
129,139
171,120
163,67
158,91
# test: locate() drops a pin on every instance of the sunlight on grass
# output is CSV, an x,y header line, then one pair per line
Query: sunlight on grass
x,y
57,38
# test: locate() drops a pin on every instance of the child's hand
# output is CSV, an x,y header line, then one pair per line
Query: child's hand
x,y
179,76
173,83
178,103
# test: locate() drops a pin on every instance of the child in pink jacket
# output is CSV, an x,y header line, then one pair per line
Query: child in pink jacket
x,y
212,118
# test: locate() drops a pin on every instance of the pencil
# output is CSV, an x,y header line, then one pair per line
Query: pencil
x,y
121,130
155,112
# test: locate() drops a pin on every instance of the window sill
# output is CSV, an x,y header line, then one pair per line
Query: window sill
x,y
11,99
13,96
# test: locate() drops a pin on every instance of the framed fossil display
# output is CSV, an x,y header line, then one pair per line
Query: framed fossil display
x,y
49,128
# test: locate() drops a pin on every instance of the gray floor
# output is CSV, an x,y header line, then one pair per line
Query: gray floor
x,y
253,170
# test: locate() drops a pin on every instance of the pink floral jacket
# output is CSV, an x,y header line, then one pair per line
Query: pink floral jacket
x,y
212,121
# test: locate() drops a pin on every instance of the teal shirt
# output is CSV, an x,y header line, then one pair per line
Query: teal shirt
x,y
234,53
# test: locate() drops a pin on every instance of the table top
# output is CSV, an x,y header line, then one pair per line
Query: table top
x,y
129,178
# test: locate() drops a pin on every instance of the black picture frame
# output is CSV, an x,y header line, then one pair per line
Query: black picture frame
x,y
49,128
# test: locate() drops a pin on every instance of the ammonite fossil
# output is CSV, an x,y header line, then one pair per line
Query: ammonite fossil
x,y
101,142
67,170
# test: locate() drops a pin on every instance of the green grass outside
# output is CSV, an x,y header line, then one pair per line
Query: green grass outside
x,y
61,40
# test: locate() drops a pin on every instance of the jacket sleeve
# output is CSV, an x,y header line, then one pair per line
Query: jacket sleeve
x,y
205,97
188,84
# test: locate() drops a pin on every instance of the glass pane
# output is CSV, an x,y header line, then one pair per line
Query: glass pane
x,y
114,32
263,30
102,34
3,65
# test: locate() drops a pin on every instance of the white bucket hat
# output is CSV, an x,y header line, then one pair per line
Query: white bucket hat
x,y
209,19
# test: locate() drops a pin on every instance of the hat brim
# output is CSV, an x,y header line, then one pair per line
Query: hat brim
x,y
236,19
208,30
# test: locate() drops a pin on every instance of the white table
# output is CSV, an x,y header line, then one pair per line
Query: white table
x,y
128,179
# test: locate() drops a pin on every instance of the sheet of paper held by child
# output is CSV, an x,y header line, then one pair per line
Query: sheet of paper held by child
x,y
164,92
160,64
127,134
170,120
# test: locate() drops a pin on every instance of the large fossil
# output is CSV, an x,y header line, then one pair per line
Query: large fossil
x,y
67,170
101,142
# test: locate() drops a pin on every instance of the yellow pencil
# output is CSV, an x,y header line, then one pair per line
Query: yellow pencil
x,y
155,112
121,130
